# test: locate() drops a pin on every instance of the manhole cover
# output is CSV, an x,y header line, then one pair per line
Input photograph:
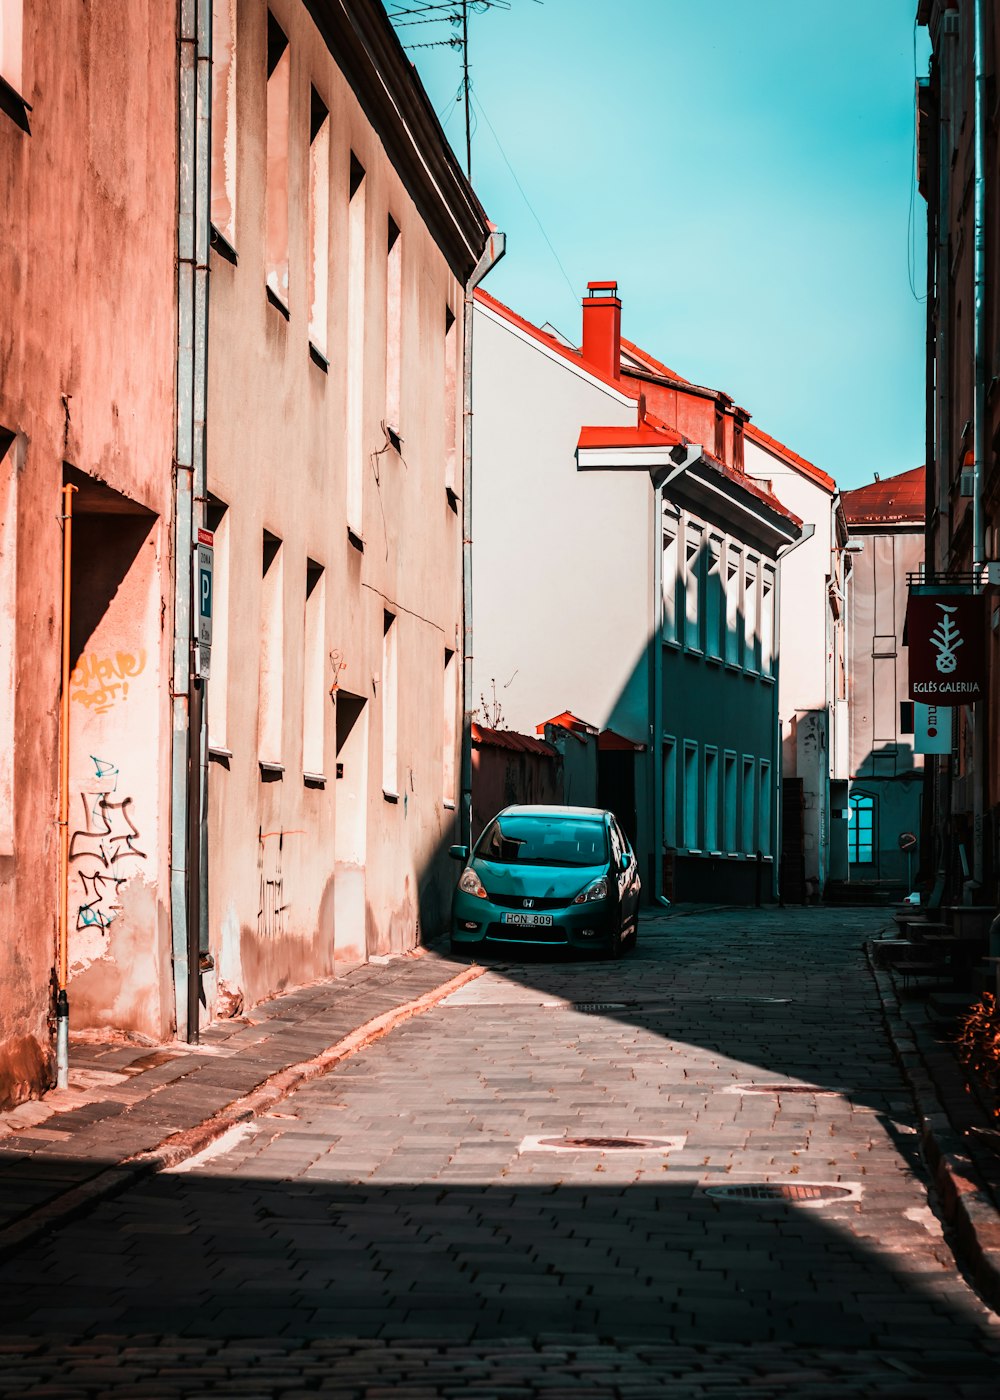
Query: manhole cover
x,y
601,1143
776,1089
592,1006
802,1192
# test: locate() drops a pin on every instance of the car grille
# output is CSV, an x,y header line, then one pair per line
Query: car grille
x,y
516,901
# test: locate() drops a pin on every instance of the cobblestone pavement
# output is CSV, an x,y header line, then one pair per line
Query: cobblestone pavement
x,y
426,1221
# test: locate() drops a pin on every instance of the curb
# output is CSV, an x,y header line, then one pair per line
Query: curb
x,y
190,1141
965,1204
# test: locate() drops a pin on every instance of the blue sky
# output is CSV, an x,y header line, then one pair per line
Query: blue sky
x,y
743,167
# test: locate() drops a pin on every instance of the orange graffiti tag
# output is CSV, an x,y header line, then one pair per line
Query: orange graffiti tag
x,y
98,681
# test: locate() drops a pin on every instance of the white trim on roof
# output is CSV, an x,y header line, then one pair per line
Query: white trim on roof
x,y
626,458
554,355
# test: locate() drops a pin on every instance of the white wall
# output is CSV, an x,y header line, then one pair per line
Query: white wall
x,y
562,572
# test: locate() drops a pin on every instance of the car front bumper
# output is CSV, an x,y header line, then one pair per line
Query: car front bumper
x,y
477,921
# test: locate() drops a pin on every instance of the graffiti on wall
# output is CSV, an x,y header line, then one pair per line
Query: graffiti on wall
x,y
98,681
105,851
272,904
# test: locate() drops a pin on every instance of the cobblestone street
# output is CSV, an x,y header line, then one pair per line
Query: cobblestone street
x,y
427,1219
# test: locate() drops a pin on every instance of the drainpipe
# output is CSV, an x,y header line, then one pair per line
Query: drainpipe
x,y
186,814
779,806
62,1000
495,248
979,419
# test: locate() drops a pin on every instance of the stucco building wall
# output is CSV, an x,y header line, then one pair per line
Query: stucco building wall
x,y
87,342
310,870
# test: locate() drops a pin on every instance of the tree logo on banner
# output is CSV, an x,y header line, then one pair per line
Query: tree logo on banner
x,y
946,638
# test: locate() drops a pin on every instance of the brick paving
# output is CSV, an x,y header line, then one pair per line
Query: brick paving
x,y
394,1229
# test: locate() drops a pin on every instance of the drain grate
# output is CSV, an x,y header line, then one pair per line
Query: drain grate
x,y
801,1192
601,1143
594,1006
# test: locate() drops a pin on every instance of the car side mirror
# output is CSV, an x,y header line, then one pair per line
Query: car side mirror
x,y
624,860
459,853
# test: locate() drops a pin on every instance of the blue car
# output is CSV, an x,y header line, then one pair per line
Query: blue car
x,y
552,876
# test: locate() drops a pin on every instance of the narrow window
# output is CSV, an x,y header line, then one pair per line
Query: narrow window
x,y
733,577
319,221
218,686
393,326
449,728
224,120
764,808
750,615
8,636
711,799
767,621
861,829
452,454
313,695
669,792
729,801
279,66
355,348
691,795
12,44
390,711
272,654
669,581
713,599
692,585
748,833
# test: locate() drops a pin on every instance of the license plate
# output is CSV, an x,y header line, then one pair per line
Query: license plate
x,y
527,920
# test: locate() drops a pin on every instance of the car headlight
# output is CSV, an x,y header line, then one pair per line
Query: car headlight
x,y
597,889
469,883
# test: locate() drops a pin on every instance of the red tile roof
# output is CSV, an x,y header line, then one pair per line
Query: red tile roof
x,y
895,500
793,459
568,720
609,741
509,739
551,342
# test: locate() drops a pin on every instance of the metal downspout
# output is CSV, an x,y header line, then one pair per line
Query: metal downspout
x,y
194,136
62,972
495,248
979,419
656,725
779,806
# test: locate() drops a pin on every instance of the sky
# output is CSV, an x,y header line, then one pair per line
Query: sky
x,y
744,168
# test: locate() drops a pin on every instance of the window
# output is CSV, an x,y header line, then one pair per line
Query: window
x,y
861,829
223,120
279,66
449,728
692,585
750,615
12,44
390,712
671,524
8,637
764,808
669,792
711,799
218,686
452,453
748,833
355,347
691,795
767,622
729,801
393,326
272,654
734,568
713,598
319,221
313,690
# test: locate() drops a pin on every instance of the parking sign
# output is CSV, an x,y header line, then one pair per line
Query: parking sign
x,y
204,584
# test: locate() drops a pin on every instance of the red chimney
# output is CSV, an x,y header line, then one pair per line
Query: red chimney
x,y
602,328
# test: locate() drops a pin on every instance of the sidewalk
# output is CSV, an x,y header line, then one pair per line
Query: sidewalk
x,y
130,1110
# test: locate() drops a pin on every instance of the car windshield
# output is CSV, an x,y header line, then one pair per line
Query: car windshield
x,y
543,841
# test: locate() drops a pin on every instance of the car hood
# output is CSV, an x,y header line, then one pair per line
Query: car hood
x,y
537,881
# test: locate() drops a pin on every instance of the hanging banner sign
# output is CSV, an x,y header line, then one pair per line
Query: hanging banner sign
x,y
931,728
946,635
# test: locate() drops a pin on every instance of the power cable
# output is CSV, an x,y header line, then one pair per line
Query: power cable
x,y
520,187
